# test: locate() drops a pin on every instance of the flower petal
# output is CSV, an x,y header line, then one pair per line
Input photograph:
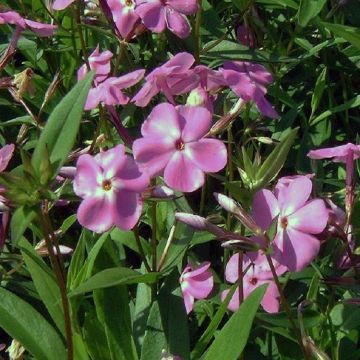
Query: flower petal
x,y
128,79
187,7
188,301
41,29
265,208
145,94
6,153
61,4
270,301
210,155
177,23
152,14
181,174
311,218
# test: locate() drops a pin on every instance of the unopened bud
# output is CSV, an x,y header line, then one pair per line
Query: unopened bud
x,y
236,209
42,249
240,245
158,192
68,172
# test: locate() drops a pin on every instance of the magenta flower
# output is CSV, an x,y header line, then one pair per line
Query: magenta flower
x,y
245,36
299,219
110,185
258,273
159,14
124,15
13,18
100,62
110,91
249,81
172,78
196,283
173,144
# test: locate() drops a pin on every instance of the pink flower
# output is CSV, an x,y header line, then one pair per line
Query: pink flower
x,y
249,81
100,62
13,18
159,14
337,153
61,4
172,78
173,144
124,15
6,153
299,218
110,185
110,92
245,36
196,283
258,273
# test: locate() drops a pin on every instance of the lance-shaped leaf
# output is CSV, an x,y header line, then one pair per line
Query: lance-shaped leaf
x,y
308,9
58,136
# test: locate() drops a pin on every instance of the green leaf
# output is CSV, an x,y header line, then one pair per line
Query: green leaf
x,y
44,282
232,339
349,33
20,220
308,9
22,322
318,91
275,161
111,277
60,131
241,4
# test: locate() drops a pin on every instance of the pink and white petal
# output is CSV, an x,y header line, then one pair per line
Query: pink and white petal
x,y
195,121
114,96
177,23
232,269
295,195
88,178
180,62
127,209
200,286
130,177
299,249
270,301
203,267
128,79
188,301
265,208
125,21
312,218
111,160
41,29
145,94
152,14
6,153
186,7
94,97
234,302
96,213
210,155
153,153
181,174
163,121
61,4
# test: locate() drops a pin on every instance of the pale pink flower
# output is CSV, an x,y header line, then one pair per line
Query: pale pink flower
x,y
100,62
110,185
245,36
173,144
110,91
172,78
249,82
299,219
13,18
196,283
258,273
159,14
124,15
61,4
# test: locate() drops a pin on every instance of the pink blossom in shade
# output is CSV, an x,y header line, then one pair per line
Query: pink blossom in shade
x,y
159,14
249,82
110,185
110,91
100,62
173,145
6,153
13,18
258,273
124,15
61,4
210,79
172,78
245,36
196,283
299,219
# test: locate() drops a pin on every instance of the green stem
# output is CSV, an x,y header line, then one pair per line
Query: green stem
x,y
197,36
203,197
153,248
81,36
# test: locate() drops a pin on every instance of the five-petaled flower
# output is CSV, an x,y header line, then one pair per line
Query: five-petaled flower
x,y
196,283
173,144
110,184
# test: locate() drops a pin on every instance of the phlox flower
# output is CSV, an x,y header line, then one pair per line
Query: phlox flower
x,y
110,184
245,36
172,78
124,15
100,62
249,81
196,283
110,91
299,219
61,4
173,144
257,273
13,18
159,14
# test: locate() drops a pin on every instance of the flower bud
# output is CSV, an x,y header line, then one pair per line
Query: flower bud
x,y
240,245
160,192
